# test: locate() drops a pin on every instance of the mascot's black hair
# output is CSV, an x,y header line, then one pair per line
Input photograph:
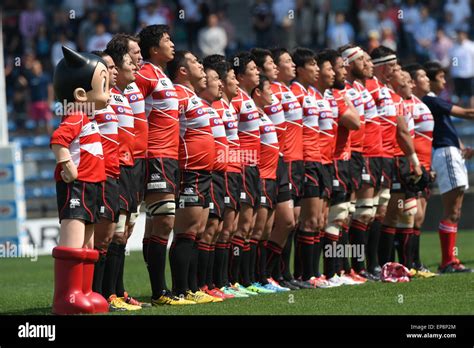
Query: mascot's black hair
x,y
75,70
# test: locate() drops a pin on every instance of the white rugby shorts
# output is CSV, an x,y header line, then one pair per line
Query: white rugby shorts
x,y
450,168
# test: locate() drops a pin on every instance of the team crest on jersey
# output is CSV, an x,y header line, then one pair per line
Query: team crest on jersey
x,y
188,191
320,104
74,203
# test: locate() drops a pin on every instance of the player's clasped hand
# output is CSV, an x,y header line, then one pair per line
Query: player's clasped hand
x,y
69,172
467,153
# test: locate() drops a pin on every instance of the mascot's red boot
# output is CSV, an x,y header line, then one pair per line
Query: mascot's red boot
x,y
68,273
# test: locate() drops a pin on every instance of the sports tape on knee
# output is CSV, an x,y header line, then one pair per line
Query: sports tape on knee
x,y
352,207
164,207
332,228
120,228
406,221
133,218
338,212
364,207
384,197
410,207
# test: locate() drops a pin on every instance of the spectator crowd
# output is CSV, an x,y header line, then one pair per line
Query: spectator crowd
x,y
34,31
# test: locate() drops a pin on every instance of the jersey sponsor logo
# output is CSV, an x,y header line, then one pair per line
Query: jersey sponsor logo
x,y
188,199
188,190
194,101
291,106
120,109
108,117
156,185
267,129
133,97
274,109
118,98
200,111
164,83
170,94
231,124
74,203
248,105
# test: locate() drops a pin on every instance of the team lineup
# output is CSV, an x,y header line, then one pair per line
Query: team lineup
x,y
250,161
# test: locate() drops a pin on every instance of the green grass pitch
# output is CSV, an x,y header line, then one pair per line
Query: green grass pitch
x,y
27,288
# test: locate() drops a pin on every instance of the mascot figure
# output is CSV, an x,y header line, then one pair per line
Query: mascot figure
x,y
81,84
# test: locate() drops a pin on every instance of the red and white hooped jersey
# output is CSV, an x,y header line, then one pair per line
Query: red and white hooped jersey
x,y
311,150
342,149
293,148
424,125
269,149
357,136
327,128
161,108
404,110
196,145
249,130
220,138
126,122
229,118
137,103
373,132
275,112
387,112
81,136
107,121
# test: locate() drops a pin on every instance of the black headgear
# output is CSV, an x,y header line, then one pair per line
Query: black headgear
x,y
75,70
